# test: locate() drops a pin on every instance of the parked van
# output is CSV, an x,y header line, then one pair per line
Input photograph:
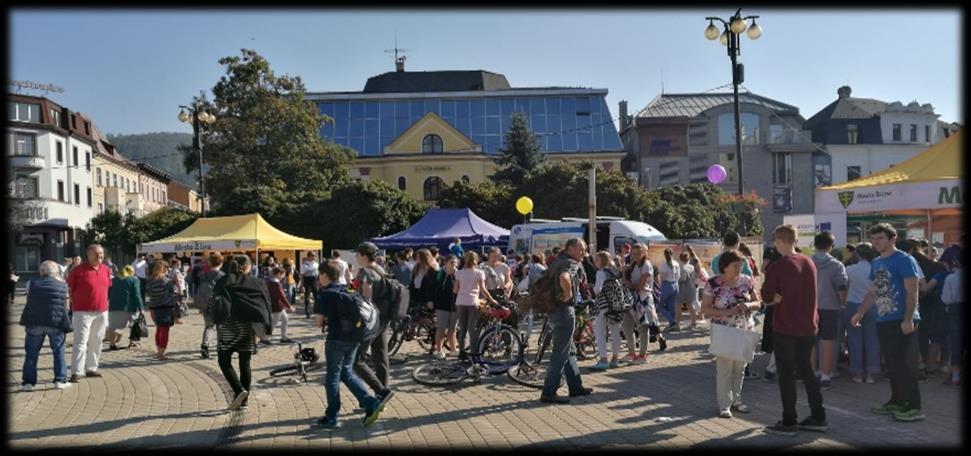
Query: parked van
x,y
612,233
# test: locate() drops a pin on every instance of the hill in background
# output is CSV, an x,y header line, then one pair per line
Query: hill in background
x,y
157,149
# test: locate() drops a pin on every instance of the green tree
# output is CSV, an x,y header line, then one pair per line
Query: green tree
x,y
109,229
265,147
487,199
157,225
520,154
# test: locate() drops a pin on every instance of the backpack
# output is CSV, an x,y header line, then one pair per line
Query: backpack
x,y
615,299
359,318
393,303
204,290
219,307
542,295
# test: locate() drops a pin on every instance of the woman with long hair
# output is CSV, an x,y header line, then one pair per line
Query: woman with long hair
x,y
469,287
669,273
446,315
421,287
639,277
162,302
688,289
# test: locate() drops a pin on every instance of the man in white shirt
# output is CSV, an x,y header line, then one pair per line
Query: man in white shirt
x,y
344,276
140,264
952,295
309,273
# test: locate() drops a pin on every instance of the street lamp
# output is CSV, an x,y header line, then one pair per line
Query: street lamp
x,y
730,37
197,114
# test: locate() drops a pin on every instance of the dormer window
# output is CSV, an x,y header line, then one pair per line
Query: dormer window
x,y
852,135
431,144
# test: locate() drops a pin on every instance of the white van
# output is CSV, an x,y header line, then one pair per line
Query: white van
x,y
612,232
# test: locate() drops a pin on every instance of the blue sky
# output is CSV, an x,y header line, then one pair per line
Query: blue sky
x,y
130,70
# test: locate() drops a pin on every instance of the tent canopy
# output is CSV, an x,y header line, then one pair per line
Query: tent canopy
x,y
930,180
440,226
239,232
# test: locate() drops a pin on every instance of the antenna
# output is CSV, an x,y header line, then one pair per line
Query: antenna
x,y
662,81
20,85
396,49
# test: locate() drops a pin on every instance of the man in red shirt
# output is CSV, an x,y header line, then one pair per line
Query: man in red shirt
x,y
88,284
790,286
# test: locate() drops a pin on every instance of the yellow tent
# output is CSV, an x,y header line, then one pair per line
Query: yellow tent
x,y
240,232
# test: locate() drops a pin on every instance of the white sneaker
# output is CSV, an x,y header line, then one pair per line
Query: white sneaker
x,y
63,385
26,388
440,355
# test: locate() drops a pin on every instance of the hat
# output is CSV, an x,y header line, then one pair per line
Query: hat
x,y
367,249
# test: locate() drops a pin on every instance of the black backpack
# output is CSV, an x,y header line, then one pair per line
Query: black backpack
x,y
359,318
219,307
393,303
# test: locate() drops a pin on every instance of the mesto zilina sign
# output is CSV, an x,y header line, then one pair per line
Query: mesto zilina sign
x,y
915,195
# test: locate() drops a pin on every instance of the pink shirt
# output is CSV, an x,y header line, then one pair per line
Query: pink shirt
x,y
468,279
89,288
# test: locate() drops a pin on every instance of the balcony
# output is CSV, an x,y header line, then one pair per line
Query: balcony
x,y
27,162
791,141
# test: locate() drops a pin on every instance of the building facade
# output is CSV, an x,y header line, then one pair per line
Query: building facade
x,y
420,130
50,152
183,197
153,190
677,137
115,179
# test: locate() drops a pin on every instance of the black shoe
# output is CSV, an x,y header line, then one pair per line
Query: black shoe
x,y
653,338
583,392
780,429
812,424
204,351
664,344
554,399
112,347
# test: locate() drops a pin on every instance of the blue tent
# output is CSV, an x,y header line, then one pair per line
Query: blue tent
x,y
440,226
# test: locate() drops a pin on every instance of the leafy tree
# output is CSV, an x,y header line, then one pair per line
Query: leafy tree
x,y
158,224
487,199
520,154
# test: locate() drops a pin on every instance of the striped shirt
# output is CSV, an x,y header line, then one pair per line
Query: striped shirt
x,y
235,336
160,293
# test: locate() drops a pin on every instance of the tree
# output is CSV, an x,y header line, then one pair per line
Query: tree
x,y
520,154
267,144
487,199
108,229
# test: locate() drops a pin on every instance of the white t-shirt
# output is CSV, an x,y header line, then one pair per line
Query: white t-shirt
x,y
139,267
858,275
638,271
341,271
468,294
309,269
669,273
953,291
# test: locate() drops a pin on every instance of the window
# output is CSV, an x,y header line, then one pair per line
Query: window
x,y
913,132
24,112
56,117
87,161
164,196
432,144
852,135
87,128
25,144
401,183
27,258
822,164
114,179
26,187
432,188
60,190
101,208
896,132
927,133
98,173
466,179
782,169
726,128
60,152
77,195
74,157
852,173
776,134
89,196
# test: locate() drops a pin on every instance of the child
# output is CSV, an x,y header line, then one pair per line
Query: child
x,y
280,304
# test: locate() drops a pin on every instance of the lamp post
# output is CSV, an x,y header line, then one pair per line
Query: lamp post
x,y
731,37
197,114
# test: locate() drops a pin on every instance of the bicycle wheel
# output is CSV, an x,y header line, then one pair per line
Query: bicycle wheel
x,y
585,344
440,373
425,334
289,370
528,375
542,355
500,348
396,340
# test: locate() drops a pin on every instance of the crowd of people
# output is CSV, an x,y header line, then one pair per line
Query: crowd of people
x,y
892,308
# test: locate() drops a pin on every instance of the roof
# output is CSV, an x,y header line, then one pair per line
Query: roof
x,y
941,161
239,232
440,226
693,104
435,81
857,108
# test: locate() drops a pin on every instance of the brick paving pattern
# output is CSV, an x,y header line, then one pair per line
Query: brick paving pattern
x,y
666,403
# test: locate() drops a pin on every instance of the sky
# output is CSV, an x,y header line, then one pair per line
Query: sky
x,y
130,70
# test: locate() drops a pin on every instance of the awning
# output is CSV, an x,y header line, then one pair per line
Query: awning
x,y
240,232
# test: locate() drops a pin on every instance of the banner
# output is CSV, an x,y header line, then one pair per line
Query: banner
x,y
880,198
544,239
196,246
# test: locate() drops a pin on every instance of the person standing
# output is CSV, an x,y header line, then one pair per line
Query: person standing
x,y
831,287
88,284
863,341
373,284
730,299
308,275
563,360
289,282
498,276
456,248
894,291
468,288
688,290
124,304
334,304
421,284
639,277
607,270
249,317
730,243
790,287
45,315
280,305
207,282
178,282
769,255
162,303
952,295
402,269
669,273
446,315
344,276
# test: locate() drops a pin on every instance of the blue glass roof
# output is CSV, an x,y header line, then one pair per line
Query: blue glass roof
x,y
564,123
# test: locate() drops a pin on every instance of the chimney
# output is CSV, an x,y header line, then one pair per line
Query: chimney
x,y
399,64
623,115
844,92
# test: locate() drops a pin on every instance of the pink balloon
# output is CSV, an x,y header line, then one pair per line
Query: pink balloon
x,y
717,174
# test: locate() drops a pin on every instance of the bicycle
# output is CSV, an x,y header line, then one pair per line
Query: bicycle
x,y
305,360
418,325
498,347
532,372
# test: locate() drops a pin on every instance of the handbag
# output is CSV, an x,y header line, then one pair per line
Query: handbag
x,y
733,343
139,329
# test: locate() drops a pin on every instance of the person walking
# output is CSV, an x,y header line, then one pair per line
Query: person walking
x,y
894,291
669,273
730,243
730,299
280,305
864,344
124,304
45,315
446,314
606,271
952,295
688,290
289,281
207,282
308,275
249,317
373,284
700,278
334,304
88,284
344,270
162,302
179,287
831,287
469,286
562,319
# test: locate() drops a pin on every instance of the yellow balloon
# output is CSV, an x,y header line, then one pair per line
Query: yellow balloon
x,y
524,205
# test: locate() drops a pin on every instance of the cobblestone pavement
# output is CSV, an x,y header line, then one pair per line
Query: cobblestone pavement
x,y
666,403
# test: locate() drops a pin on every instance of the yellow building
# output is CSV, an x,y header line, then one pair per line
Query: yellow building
x,y
115,179
419,130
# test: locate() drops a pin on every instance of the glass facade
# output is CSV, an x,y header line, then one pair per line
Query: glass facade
x,y
564,123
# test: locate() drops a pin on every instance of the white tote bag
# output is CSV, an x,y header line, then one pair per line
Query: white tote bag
x,y
733,343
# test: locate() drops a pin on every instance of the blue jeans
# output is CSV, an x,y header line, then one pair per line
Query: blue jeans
x,y
33,342
669,301
563,359
863,341
340,357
